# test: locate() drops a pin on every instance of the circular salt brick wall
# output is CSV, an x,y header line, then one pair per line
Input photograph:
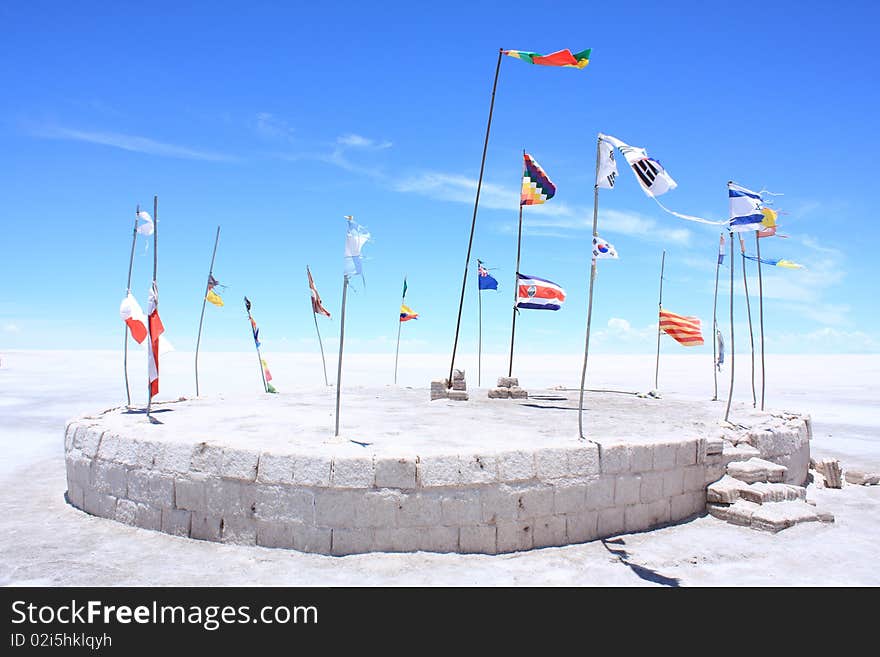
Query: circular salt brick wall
x,y
347,498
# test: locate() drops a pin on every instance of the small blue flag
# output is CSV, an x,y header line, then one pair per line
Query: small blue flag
x,y
486,280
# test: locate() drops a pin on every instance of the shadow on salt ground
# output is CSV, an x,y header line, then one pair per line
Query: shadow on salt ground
x,y
559,408
645,573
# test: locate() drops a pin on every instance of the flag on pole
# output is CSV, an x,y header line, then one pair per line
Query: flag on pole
x,y
720,338
558,58
131,313
355,238
406,313
602,249
254,329
538,293
403,296
487,281
155,331
607,171
746,208
268,375
145,228
684,330
785,264
213,297
651,175
721,250
317,307
536,186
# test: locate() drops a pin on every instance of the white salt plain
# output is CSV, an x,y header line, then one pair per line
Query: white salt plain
x,y
45,541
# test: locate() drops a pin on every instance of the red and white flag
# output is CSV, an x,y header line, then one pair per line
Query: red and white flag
x,y
131,313
538,293
684,330
156,329
317,306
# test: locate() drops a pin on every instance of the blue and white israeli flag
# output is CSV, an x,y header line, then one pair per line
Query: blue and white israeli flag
x,y
745,209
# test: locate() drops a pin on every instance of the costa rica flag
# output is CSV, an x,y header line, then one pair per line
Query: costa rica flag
x,y
538,293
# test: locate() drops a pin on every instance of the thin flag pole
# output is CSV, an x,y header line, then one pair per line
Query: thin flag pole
x,y
204,301
474,220
134,234
742,247
479,326
760,312
259,355
715,325
155,267
732,356
515,291
399,326
341,343
317,330
590,302
660,306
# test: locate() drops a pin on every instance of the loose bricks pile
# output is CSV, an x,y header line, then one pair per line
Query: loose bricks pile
x,y
508,388
440,388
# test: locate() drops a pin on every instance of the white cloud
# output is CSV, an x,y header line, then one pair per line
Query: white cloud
x,y
11,327
352,140
131,143
270,126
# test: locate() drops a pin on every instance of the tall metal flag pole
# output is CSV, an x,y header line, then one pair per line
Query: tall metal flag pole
x,y
715,320
590,302
149,331
742,247
318,331
134,234
247,305
660,306
399,326
515,287
341,343
204,301
760,311
479,324
474,220
732,355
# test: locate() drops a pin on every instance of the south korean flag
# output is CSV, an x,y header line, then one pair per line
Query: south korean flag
x,y
606,173
602,249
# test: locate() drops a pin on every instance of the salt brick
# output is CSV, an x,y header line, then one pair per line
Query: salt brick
x,y
515,535
642,458
75,495
535,501
206,458
69,431
223,497
440,539
398,539
652,487
312,471
457,395
109,477
644,516
673,482
664,455
610,522
174,457
626,490
396,473
478,469
176,522
439,470
90,441
516,466
458,375
686,453
462,507
508,382
377,508
518,393
151,488
581,527
419,510
459,385
352,472
498,503
238,530
616,459
148,517
498,393
694,478
686,505
351,541
189,493
549,531
477,539
146,454
205,527
275,468
583,460
239,464
126,512
600,492
272,534
79,471
114,447
278,502
335,508
551,463
570,496
311,539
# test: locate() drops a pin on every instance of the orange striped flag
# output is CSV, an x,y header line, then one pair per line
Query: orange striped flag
x,y
684,330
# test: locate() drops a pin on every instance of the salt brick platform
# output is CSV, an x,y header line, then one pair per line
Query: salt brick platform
x,y
486,476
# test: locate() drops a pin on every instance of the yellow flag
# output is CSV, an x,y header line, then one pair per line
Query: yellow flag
x,y
214,298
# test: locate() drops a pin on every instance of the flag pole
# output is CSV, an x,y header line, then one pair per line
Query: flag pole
x,y
474,220
479,326
134,233
742,247
341,342
590,302
660,306
760,311
399,326
715,325
515,291
204,301
318,331
149,332
732,355
259,355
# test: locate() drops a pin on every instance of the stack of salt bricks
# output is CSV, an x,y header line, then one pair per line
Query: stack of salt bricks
x,y
440,388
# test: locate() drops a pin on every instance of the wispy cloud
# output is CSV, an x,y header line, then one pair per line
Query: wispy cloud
x,y
11,327
339,154
352,140
270,126
131,143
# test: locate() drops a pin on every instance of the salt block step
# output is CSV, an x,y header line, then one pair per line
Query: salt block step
x,y
738,513
782,515
508,382
726,490
499,393
862,478
764,493
755,470
741,452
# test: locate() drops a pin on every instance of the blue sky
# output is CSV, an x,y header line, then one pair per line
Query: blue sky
x,y
274,120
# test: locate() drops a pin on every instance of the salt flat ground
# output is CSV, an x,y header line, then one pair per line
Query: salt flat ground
x,y
44,541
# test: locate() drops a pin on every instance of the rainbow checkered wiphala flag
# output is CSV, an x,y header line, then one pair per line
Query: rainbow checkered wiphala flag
x,y
536,186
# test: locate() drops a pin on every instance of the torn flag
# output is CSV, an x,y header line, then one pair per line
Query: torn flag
x,y
558,58
131,313
684,330
155,329
317,307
